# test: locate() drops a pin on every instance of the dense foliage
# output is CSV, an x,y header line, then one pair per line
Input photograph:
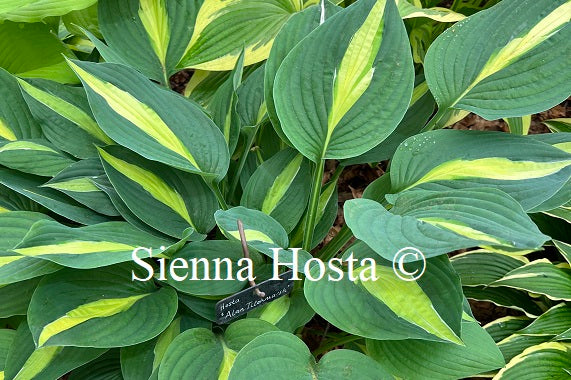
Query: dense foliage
x,y
100,156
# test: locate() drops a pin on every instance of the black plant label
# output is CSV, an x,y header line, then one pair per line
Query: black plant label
x,y
248,299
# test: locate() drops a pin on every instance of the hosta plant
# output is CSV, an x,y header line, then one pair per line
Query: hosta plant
x,y
143,140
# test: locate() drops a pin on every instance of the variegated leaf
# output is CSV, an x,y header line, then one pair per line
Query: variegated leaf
x,y
102,316
262,233
200,352
37,157
16,121
323,90
65,116
390,308
440,222
158,124
150,35
38,10
30,186
528,170
36,52
179,200
541,277
294,30
408,10
407,359
14,267
518,72
77,181
87,247
548,360
242,24
278,188
25,361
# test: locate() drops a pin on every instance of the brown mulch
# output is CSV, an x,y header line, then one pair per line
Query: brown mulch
x,y
179,80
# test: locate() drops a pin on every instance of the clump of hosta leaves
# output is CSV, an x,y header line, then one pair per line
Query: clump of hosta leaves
x,y
120,198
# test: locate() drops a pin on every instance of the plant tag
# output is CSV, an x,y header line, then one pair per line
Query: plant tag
x,y
240,303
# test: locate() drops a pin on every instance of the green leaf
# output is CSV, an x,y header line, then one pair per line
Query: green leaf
x,y
105,367
157,124
566,335
323,90
287,313
483,268
519,125
564,249
408,10
16,225
16,121
553,322
16,297
76,181
516,343
12,201
86,247
545,361
419,359
242,24
37,157
204,307
142,360
179,200
203,84
210,250
278,188
555,227
419,110
295,29
31,187
516,72
25,361
222,106
528,170
63,112
440,222
506,297
437,295
110,311
503,327
558,125
38,10
6,340
84,18
539,276
282,356
326,214
13,267
408,300
33,51
251,106
150,36
201,354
